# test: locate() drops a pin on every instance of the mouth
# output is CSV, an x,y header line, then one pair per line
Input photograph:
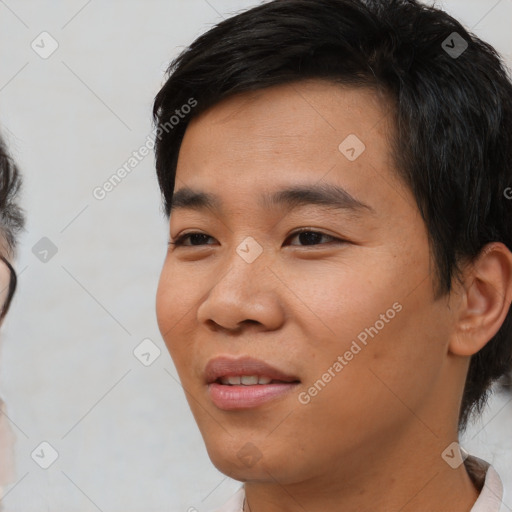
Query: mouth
x,y
250,380
244,383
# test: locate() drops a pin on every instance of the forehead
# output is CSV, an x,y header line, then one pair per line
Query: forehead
x,y
293,133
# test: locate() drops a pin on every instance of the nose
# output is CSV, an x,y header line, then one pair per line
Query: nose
x,y
246,293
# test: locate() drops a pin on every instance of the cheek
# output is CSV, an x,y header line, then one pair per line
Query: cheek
x,y
338,300
378,315
165,303
172,308
399,363
172,303
375,388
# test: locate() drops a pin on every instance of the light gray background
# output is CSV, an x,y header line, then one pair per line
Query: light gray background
x,y
126,439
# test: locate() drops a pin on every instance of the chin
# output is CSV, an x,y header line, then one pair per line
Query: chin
x,y
242,474
243,461
228,463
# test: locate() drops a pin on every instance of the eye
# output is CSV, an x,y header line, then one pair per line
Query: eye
x,y
188,236
306,236
310,237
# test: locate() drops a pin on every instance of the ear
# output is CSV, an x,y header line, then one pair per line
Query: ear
x,y
485,301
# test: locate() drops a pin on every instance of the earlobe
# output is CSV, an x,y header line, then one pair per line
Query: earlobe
x,y
486,299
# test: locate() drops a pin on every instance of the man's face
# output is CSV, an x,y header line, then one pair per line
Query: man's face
x,y
358,291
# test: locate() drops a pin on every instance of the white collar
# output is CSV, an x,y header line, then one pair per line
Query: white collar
x,y
485,477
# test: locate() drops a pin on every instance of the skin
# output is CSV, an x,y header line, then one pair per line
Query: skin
x,y
5,275
6,433
375,433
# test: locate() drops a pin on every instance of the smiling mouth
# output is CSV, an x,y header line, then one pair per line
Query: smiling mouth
x,y
246,382
248,391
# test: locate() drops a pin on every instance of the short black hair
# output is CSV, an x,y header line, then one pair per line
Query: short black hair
x,y
452,107
12,218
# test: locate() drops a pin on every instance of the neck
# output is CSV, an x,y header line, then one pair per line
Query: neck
x,y
407,478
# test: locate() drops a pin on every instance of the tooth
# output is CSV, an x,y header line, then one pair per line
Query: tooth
x,y
249,380
245,380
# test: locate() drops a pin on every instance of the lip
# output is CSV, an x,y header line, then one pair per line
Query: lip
x,y
228,366
228,397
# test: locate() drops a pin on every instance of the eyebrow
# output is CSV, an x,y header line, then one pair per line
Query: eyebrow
x,y
323,194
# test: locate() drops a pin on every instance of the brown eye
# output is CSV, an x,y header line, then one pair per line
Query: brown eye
x,y
310,237
193,237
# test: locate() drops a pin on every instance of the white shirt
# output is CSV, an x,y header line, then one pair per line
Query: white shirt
x,y
482,473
